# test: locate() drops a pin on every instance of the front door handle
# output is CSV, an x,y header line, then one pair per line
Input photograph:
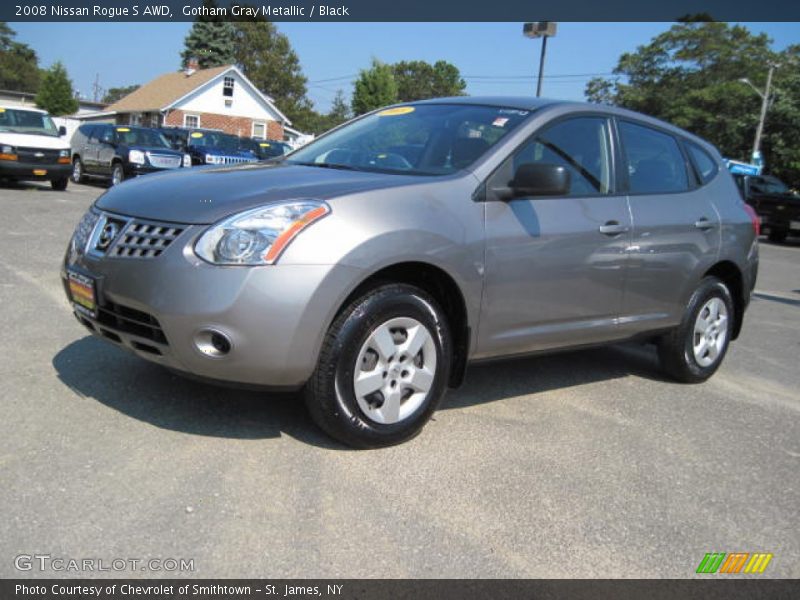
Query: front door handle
x,y
704,224
613,228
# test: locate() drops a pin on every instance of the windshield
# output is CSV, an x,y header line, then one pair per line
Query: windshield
x,y
769,185
423,139
264,149
215,140
27,121
140,137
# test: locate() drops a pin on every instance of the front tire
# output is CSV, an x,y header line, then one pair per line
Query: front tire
x,y
117,174
693,351
383,368
59,185
77,170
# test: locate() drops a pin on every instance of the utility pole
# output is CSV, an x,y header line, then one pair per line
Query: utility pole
x,y
544,30
765,102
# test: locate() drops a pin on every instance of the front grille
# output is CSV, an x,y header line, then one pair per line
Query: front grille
x,y
129,320
37,155
232,160
144,240
165,161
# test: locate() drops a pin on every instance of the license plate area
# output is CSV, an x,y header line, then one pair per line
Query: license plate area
x,y
83,293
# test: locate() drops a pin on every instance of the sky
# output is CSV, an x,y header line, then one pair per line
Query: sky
x,y
494,58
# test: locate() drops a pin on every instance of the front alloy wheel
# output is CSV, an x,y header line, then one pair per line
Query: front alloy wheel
x,y
117,174
383,368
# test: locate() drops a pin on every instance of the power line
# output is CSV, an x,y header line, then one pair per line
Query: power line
x,y
481,77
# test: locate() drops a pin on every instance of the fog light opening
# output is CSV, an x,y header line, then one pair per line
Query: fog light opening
x,y
212,343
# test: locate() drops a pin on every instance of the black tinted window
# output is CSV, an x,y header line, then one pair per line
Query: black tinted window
x,y
581,146
705,165
653,159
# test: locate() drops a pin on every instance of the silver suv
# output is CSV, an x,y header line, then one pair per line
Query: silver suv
x,y
369,267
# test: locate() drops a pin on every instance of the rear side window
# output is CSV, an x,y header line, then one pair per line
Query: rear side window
x,y
653,159
705,165
581,146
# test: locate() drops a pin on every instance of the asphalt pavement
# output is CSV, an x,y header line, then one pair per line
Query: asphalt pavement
x,y
583,464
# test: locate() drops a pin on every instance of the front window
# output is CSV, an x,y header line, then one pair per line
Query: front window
x,y
423,139
769,185
140,137
31,122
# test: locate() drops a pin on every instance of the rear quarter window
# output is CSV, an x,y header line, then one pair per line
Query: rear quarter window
x,y
705,166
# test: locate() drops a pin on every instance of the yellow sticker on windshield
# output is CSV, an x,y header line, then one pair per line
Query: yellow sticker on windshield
x,y
393,112
263,145
2,110
197,134
123,129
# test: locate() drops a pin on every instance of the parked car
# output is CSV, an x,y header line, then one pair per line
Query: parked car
x,y
208,147
118,152
369,267
777,206
32,148
265,149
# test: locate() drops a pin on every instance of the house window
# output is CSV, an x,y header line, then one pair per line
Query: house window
x,y
259,130
227,86
191,121
135,119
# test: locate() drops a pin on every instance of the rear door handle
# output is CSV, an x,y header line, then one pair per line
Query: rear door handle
x,y
704,224
613,228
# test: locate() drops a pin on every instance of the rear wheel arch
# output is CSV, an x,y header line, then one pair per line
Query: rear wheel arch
x,y
727,272
443,288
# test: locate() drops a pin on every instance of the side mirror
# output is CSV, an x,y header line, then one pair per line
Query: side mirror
x,y
62,131
535,179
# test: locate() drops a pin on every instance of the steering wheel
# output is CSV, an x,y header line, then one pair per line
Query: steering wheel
x,y
391,160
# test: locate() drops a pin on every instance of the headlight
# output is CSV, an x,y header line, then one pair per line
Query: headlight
x,y
258,236
82,232
63,153
136,157
187,160
8,152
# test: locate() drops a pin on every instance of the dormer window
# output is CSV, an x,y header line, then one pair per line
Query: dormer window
x,y
227,87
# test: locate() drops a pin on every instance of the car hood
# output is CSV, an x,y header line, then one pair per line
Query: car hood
x,y
32,140
208,194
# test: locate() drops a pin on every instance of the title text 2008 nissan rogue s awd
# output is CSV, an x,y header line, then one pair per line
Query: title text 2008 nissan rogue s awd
x,y
369,267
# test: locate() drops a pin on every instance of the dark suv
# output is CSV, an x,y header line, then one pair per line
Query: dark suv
x,y
265,149
208,147
117,152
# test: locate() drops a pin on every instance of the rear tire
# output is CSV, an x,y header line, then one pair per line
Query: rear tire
x,y
777,236
59,185
383,368
693,351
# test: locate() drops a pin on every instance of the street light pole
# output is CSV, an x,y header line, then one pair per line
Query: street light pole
x,y
763,117
541,66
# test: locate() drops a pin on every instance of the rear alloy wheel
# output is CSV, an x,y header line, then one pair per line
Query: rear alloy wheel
x,y
694,350
117,174
383,368
59,184
77,170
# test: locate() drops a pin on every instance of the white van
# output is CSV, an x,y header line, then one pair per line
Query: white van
x,y
32,148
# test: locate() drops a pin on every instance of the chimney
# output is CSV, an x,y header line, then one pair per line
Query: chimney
x,y
191,66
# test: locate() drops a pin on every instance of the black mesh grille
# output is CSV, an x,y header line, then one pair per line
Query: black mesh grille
x,y
37,155
132,321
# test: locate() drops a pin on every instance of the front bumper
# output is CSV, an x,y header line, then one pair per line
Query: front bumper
x,y
274,316
30,171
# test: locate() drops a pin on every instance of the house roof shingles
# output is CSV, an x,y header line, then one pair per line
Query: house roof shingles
x,y
163,91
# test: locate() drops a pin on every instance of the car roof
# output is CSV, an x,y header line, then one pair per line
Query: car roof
x,y
27,108
518,102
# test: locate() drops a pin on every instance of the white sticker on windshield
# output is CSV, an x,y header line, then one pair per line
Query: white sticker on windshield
x,y
500,122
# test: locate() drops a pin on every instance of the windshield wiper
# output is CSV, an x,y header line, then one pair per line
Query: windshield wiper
x,y
324,165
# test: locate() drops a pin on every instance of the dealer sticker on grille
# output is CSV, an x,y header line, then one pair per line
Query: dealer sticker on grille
x,y
81,289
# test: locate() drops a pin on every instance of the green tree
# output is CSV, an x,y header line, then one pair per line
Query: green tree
x,y
690,76
266,57
55,92
339,112
418,80
209,41
19,66
115,94
375,87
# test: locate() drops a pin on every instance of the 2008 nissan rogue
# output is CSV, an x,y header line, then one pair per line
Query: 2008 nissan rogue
x,y
369,267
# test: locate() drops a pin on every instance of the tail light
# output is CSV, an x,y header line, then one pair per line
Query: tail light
x,y
754,218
